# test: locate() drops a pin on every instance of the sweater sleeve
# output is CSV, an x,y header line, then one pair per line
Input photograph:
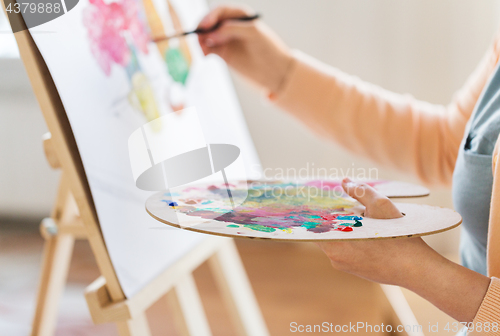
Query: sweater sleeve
x,y
493,255
396,130
489,311
487,320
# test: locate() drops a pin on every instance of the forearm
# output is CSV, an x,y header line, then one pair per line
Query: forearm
x,y
452,288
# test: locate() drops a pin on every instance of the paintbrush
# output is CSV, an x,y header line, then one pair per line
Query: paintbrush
x,y
204,31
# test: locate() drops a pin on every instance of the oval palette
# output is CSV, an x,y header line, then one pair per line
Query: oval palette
x,y
305,211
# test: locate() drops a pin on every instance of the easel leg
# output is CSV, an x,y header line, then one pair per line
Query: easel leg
x,y
236,291
186,304
137,327
402,310
57,254
56,259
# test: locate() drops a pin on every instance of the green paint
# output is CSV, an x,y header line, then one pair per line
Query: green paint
x,y
233,226
357,224
309,225
314,216
258,227
177,64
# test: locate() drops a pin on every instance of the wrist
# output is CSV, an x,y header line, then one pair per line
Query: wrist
x,y
283,66
452,288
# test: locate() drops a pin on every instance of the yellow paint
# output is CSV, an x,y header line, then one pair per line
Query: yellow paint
x,y
142,98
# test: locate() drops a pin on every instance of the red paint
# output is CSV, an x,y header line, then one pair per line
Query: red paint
x,y
329,217
334,216
344,228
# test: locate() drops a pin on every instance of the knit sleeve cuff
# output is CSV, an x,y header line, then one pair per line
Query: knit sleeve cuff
x,y
488,315
292,75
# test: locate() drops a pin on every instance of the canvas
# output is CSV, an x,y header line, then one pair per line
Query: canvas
x,y
112,80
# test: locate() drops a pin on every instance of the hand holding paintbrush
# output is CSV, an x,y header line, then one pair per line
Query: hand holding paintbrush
x,y
249,47
208,30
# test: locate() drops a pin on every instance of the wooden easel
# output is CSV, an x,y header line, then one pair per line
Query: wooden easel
x,y
74,217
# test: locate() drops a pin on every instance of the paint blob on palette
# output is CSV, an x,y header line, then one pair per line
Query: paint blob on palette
x,y
270,206
308,210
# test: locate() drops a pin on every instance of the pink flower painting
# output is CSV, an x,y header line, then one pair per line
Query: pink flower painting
x,y
111,28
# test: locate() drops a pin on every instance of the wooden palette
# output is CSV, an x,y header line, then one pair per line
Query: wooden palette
x,y
395,189
301,212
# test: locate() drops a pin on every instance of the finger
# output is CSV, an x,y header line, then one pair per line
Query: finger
x,y
361,192
229,31
208,46
222,13
377,205
201,42
204,49
205,43
217,50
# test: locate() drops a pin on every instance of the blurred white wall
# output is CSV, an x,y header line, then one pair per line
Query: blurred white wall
x,y
424,47
27,184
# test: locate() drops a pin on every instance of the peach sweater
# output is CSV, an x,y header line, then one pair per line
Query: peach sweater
x,y
399,131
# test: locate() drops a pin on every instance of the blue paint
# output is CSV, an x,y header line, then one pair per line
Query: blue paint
x,y
171,203
349,218
358,224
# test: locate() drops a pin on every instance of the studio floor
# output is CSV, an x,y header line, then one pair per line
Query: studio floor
x,y
292,282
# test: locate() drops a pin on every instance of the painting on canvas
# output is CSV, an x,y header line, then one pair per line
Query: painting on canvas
x,y
112,79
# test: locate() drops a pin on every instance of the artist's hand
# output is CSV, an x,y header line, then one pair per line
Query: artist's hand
x,y
407,262
377,205
251,48
385,261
